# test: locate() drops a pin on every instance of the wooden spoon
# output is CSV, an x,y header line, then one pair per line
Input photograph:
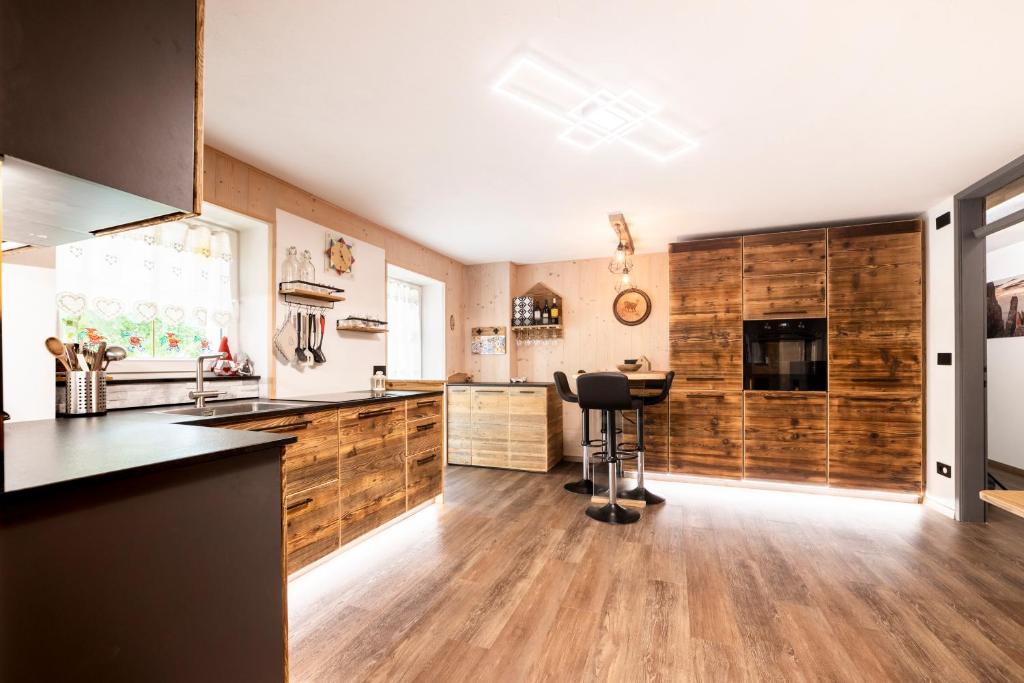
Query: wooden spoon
x,y
54,346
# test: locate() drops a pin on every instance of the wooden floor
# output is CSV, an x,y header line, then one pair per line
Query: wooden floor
x,y
509,581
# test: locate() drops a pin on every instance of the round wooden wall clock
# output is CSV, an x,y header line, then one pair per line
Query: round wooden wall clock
x,y
339,255
631,306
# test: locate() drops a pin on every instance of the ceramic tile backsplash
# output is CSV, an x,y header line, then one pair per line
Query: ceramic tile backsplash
x,y
142,394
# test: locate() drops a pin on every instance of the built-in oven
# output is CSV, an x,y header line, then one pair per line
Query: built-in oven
x,y
785,355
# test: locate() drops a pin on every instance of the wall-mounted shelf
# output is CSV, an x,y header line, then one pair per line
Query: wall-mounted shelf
x,y
528,334
523,328
307,293
364,325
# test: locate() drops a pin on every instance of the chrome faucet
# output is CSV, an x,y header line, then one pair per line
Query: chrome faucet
x,y
198,393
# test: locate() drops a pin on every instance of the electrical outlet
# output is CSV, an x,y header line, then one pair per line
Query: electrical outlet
x,y
944,469
942,221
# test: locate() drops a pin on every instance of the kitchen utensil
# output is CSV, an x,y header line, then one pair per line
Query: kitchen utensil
x,y
72,356
300,353
316,342
54,346
96,362
320,345
284,340
114,353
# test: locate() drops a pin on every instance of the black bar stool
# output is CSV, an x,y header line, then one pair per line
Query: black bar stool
x,y
640,492
586,484
609,393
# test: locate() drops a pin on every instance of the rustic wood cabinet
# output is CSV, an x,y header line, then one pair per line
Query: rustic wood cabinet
x,y
784,275
865,431
785,436
354,469
875,442
707,433
506,426
706,314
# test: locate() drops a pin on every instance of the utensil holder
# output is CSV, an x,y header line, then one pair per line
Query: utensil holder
x,y
85,393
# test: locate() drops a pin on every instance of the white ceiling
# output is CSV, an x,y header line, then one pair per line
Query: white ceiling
x,y
804,111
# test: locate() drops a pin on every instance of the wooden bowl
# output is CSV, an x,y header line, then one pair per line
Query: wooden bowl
x,y
628,367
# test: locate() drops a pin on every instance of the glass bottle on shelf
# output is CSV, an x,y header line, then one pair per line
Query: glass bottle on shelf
x,y
290,269
545,314
555,319
536,312
306,271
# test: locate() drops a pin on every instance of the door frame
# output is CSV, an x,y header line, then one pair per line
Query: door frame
x,y
970,310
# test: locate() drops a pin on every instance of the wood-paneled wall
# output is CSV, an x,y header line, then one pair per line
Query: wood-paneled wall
x,y
239,186
592,338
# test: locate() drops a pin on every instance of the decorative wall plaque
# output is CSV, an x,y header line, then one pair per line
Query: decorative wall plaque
x,y
631,306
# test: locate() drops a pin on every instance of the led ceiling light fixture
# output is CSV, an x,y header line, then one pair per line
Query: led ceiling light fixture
x,y
595,115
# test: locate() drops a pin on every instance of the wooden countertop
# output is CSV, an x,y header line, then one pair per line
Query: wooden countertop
x,y
1011,501
639,375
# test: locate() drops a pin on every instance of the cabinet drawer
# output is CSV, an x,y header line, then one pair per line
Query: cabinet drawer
x,y
423,477
799,295
372,429
785,436
490,405
313,430
875,442
311,517
372,490
423,435
779,253
460,400
706,434
528,410
420,408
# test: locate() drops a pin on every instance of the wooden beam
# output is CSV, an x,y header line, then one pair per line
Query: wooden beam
x,y
997,225
621,229
1004,193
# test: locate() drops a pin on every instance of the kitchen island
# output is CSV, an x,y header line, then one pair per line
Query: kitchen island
x,y
130,539
507,425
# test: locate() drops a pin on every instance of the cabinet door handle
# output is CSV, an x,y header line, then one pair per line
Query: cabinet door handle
x,y
301,504
705,396
705,379
776,397
526,391
424,461
427,403
423,428
490,391
877,380
375,413
285,428
787,312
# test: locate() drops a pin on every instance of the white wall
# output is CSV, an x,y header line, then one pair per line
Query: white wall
x,y
1005,374
940,336
350,355
30,316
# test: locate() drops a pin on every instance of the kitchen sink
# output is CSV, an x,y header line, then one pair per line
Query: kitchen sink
x,y
235,408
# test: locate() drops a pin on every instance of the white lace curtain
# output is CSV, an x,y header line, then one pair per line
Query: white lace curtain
x,y
405,333
179,273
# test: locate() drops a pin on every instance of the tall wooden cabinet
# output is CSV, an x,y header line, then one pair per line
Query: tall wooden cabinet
x,y
866,430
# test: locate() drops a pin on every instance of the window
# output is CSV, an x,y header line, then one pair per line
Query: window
x,y
164,292
405,329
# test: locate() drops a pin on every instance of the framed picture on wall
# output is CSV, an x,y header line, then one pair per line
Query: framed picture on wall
x,y
632,306
1005,308
488,341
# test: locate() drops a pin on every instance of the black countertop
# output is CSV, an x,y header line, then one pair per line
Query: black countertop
x,y
501,384
46,453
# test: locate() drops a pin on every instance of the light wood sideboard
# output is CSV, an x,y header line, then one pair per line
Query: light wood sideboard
x,y
508,426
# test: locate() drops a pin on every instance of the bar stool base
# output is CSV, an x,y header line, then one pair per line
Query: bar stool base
x,y
585,486
613,514
643,494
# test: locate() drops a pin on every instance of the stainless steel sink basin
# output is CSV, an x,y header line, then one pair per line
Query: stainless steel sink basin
x,y
235,408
